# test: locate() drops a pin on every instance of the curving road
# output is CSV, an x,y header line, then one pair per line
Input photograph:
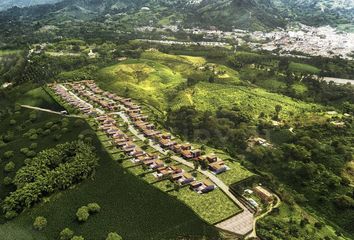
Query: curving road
x,y
253,234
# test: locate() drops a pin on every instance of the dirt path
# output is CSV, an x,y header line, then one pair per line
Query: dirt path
x,y
49,111
253,234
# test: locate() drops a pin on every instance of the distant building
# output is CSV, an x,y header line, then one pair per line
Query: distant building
x,y
264,194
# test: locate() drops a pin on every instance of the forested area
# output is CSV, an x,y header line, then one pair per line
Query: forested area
x,y
51,170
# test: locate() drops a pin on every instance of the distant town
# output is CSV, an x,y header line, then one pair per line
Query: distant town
x,y
297,39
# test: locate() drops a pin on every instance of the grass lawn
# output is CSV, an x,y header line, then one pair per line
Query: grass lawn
x,y
164,186
235,174
126,203
214,206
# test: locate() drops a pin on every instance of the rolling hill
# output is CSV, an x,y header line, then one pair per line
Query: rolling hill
x,y
224,14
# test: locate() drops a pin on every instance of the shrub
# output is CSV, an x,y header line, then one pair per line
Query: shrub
x,y
66,234
8,137
79,123
31,154
54,128
28,161
9,154
40,223
7,181
12,122
34,146
114,236
11,215
49,125
93,208
33,137
78,238
46,132
82,214
2,144
319,225
24,150
9,167
33,117
57,137
88,140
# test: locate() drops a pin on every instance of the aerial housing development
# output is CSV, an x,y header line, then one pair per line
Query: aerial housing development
x,y
176,120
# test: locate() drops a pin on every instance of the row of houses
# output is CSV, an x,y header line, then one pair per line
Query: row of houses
x,y
72,100
107,100
153,162
165,140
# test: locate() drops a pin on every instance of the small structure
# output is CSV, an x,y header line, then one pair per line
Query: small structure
x,y
202,187
264,194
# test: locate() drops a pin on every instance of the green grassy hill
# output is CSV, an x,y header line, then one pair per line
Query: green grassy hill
x,y
162,80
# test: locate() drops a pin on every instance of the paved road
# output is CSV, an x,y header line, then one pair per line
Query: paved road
x,y
100,111
49,111
339,81
241,223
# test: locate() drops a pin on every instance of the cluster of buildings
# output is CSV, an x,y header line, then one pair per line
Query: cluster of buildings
x,y
72,100
187,43
262,193
111,102
315,41
323,41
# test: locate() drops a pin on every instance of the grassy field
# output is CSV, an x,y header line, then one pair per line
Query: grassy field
x,y
38,97
235,174
156,77
209,97
9,52
213,207
159,79
304,68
